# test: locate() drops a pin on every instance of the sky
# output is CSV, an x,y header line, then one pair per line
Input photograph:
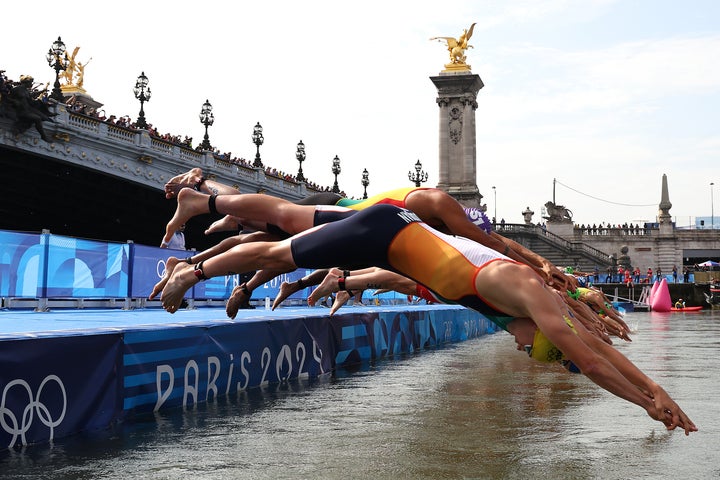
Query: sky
x,y
586,102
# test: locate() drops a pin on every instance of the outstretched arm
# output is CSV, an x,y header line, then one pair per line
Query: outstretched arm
x,y
666,409
513,290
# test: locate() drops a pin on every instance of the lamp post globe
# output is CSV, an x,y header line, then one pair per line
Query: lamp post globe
x,y
142,92
206,118
57,59
336,172
365,182
300,155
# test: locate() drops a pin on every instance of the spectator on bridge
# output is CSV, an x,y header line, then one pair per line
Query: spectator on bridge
x,y
636,274
686,274
658,274
674,273
649,275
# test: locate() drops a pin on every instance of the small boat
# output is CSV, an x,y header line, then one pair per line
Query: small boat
x,y
686,309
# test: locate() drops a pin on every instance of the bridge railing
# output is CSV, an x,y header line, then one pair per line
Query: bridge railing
x,y
553,239
161,158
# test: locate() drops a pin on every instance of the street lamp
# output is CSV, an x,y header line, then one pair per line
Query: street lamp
x,y
300,155
57,59
495,202
365,182
712,207
336,172
258,139
419,176
142,93
206,118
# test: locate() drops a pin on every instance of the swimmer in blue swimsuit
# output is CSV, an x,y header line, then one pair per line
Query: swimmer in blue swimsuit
x,y
455,269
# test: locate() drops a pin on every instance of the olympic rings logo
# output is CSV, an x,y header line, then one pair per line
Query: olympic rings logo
x,y
160,268
19,427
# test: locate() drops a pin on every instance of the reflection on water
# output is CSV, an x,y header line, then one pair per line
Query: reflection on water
x,y
478,409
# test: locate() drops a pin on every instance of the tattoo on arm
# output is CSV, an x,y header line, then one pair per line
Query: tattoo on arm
x,y
374,285
214,191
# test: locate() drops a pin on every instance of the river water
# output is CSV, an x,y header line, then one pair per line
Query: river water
x,y
478,409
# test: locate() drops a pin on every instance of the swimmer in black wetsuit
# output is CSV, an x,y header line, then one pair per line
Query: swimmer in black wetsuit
x,y
433,206
456,270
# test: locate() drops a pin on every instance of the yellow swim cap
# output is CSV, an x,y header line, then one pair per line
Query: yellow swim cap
x,y
543,350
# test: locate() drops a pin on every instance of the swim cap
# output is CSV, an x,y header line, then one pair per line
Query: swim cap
x,y
543,350
479,218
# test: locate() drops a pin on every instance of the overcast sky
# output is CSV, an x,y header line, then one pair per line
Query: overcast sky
x,y
604,96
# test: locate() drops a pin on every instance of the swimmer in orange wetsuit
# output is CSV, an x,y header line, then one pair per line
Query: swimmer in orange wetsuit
x,y
458,270
277,216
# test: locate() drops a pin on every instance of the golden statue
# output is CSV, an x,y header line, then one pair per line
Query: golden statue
x,y
457,48
74,74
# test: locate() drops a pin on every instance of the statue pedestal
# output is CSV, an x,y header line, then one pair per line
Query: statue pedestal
x,y
561,229
80,95
456,68
457,100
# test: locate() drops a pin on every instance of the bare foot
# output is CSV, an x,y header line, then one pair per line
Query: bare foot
x,y
188,179
326,287
170,264
340,299
189,204
237,298
286,289
181,280
226,224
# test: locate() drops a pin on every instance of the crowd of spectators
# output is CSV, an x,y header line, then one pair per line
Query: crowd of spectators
x,y
608,229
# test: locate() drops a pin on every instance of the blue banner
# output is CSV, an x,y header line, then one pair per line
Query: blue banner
x,y
54,387
22,258
53,266
185,366
80,268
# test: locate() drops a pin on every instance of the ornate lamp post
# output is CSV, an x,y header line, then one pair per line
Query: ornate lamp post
x,y
419,176
336,172
300,155
206,118
258,139
365,182
57,59
142,93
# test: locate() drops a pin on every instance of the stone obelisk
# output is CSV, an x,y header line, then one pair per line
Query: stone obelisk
x,y
457,101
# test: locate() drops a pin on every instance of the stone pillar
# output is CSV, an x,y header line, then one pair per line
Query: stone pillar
x,y
664,218
457,100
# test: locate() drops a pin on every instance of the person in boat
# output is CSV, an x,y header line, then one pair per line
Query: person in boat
x,y
680,304
456,270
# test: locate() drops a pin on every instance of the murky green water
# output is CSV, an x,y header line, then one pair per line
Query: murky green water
x,y
474,410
